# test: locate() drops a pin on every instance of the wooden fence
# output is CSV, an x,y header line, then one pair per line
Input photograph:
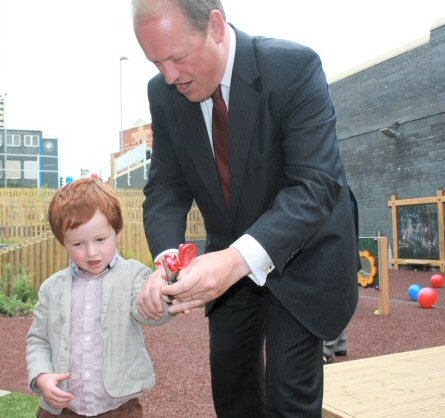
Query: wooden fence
x,y
23,213
39,257
32,246
43,256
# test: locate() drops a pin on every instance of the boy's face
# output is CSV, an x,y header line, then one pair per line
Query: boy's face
x,y
92,245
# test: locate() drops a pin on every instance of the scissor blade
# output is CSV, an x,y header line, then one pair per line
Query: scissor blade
x,y
171,277
167,270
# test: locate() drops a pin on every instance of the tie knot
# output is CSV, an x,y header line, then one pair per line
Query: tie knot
x,y
217,94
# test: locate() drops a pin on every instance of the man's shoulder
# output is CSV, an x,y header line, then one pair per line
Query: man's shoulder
x,y
269,55
268,45
281,49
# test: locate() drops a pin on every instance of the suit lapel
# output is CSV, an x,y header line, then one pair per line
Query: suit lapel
x,y
65,297
243,112
198,146
108,283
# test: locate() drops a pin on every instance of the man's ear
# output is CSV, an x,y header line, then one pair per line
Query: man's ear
x,y
217,25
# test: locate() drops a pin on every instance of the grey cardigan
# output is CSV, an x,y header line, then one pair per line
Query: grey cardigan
x,y
127,366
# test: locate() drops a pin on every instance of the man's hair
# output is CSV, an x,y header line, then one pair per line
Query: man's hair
x,y
76,203
197,12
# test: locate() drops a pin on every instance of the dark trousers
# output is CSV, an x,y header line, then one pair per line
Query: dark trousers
x,y
130,409
250,379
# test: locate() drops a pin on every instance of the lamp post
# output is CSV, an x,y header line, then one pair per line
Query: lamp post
x,y
121,135
3,100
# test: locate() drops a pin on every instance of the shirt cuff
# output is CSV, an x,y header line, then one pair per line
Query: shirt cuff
x,y
256,257
33,386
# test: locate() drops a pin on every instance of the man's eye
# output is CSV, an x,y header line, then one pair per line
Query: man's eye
x,y
179,60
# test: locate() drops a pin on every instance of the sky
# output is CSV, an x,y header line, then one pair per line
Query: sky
x,y
61,67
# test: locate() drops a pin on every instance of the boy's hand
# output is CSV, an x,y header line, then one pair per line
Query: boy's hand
x,y
53,395
150,301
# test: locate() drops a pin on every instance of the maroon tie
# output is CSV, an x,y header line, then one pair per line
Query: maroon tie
x,y
220,131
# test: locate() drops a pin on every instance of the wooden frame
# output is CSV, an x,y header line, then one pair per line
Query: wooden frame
x,y
418,231
375,257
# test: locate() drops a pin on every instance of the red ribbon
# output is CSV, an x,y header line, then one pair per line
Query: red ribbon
x,y
187,252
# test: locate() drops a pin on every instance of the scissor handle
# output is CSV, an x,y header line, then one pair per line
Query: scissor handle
x,y
187,252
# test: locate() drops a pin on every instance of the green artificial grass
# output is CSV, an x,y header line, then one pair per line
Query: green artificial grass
x,y
18,405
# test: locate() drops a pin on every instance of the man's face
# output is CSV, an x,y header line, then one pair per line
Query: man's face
x,y
192,61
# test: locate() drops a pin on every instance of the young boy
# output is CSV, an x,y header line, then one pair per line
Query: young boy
x,y
85,351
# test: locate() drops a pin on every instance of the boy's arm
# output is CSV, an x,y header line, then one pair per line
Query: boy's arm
x,y
140,275
38,350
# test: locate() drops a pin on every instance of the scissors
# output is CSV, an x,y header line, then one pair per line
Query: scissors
x,y
173,264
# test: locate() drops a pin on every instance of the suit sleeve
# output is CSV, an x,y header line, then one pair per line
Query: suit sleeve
x,y
168,198
311,164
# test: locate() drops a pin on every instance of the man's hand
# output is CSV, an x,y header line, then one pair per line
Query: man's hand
x,y
150,300
206,278
53,395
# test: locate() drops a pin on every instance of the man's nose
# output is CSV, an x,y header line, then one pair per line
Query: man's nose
x,y
170,72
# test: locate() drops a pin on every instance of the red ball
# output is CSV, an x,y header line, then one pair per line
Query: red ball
x,y
427,297
437,280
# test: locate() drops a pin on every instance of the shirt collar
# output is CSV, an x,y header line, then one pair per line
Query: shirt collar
x,y
225,82
78,273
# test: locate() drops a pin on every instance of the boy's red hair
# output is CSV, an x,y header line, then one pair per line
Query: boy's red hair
x,y
76,203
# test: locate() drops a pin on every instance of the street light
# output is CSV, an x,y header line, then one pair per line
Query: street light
x,y
121,136
3,117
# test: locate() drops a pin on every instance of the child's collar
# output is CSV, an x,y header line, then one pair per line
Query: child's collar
x,y
77,272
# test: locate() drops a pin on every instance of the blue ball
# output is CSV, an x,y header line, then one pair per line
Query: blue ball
x,y
413,291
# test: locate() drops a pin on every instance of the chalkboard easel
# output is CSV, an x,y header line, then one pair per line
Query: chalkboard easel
x,y
418,231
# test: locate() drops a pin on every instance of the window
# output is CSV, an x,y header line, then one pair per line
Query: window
x,y
13,140
12,169
31,141
1,139
31,170
1,169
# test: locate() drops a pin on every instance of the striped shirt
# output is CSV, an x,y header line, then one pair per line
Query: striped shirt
x,y
86,352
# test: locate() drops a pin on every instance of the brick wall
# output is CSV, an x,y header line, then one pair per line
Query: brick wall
x,y
408,90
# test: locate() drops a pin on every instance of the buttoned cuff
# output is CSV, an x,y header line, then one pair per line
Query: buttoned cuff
x,y
256,257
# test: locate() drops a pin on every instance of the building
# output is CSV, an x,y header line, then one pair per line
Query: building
x,y
129,168
391,128
28,160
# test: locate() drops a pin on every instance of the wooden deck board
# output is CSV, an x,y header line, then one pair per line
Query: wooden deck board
x,y
410,384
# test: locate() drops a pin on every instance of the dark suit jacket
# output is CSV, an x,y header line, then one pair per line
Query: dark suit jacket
x,y
288,187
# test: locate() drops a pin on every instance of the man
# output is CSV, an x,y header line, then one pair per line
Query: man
x,y
281,258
